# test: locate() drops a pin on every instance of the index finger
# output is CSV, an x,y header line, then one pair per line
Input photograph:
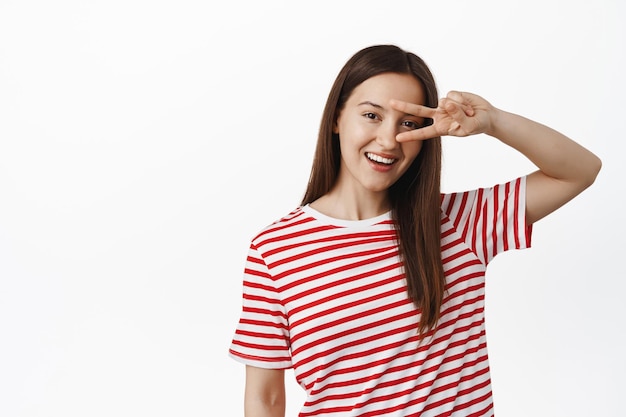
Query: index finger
x,y
412,109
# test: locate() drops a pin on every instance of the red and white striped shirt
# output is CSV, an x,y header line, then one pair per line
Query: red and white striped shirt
x,y
328,298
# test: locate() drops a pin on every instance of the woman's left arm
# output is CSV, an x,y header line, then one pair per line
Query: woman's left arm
x,y
565,167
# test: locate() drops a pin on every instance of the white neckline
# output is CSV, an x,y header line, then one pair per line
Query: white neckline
x,y
345,223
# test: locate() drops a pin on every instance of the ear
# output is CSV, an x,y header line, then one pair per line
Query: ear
x,y
336,126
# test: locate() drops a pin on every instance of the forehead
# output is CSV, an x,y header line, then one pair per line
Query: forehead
x,y
383,87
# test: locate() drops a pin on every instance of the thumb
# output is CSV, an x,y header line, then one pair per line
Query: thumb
x,y
456,112
463,99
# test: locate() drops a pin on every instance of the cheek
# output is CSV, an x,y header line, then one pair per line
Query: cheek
x,y
355,136
411,149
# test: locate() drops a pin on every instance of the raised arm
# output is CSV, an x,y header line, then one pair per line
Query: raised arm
x,y
565,167
265,392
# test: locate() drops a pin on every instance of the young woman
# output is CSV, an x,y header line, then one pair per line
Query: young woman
x,y
373,289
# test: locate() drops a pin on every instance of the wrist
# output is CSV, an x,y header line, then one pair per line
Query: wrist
x,y
497,119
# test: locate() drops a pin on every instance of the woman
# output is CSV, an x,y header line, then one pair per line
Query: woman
x,y
373,289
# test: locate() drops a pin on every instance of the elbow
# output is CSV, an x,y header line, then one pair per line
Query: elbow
x,y
593,169
270,406
265,392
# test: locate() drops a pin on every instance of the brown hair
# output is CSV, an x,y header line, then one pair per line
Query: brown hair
x,y
415,197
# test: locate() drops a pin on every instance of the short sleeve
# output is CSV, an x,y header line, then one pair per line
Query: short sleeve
x,y
491,220
262,335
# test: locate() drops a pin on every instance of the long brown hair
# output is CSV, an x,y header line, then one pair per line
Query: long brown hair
x,y
415,197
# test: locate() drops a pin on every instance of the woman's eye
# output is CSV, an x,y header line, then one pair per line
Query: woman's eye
x,y
410,124
371,116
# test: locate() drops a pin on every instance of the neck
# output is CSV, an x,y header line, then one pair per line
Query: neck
x,y
346,204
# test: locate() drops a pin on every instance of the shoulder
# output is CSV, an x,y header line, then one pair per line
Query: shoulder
x,y
503,195
281,226
518,184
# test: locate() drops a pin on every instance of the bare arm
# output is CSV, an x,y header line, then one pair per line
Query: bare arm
x,y
565,167
265,392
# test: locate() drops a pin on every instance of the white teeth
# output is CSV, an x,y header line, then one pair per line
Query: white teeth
x,y
379,159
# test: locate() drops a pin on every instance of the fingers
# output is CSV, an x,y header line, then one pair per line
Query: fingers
x,y
418,110
413,109
424,133
456,96
464,100
429,112
452,116
458,124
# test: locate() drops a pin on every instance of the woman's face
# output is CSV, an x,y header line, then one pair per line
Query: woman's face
x,y
371,158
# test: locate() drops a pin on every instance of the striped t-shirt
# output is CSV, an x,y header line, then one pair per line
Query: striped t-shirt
x,y
328,298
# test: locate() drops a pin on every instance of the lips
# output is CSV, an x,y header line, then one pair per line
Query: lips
x,y
380,159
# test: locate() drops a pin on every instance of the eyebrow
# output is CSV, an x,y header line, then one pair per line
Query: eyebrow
x,y
369,103
378,106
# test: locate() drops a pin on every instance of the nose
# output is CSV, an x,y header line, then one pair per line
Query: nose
x,y
386,135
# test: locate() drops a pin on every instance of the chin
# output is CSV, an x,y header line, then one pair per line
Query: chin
x,y
378,188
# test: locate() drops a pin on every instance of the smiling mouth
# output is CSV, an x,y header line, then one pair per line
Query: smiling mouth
x,y
379,159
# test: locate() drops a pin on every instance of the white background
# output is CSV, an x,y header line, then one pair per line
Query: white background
x,y
143,143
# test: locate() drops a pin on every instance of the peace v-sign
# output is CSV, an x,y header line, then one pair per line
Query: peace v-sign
x,y
458,114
